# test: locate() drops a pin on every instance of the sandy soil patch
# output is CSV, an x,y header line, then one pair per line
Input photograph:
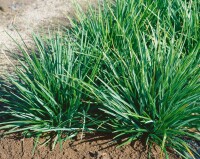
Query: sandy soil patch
x,y
27,16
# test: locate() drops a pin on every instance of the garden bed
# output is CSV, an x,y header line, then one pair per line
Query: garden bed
x,y
124,68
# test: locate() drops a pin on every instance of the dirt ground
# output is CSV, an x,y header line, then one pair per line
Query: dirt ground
x,y
91,147
28,16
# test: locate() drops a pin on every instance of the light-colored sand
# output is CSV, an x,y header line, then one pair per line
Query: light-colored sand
x,y
29,16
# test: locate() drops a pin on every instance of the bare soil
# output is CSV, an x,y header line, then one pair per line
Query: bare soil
x,y
27,16
93,146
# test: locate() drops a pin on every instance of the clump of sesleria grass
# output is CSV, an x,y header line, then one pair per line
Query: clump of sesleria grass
x,y
127,67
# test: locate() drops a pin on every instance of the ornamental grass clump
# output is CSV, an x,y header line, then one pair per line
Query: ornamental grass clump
x,y
152,95
149,76
43,98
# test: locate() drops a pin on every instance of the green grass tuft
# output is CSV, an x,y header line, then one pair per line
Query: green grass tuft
x,y
148,82
44,98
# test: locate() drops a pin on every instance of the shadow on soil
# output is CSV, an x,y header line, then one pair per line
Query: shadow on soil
x,y
107,141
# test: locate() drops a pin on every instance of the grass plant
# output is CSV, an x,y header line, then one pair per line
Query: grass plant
x,y
154,97
149,78
44,98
